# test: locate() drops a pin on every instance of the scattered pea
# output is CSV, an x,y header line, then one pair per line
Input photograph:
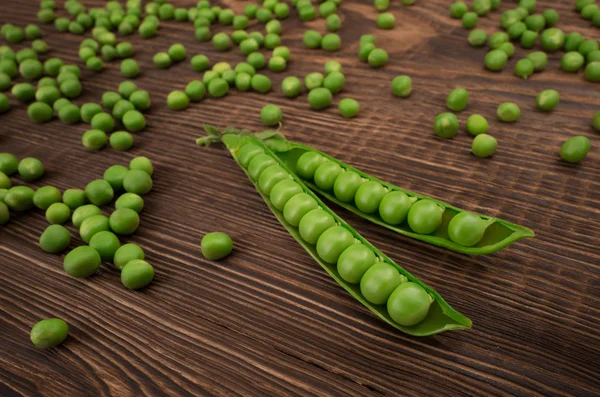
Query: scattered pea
x,y
45,196
271,115
575,149
19,198
508,112
484,145
477,38
319,98
457,100
50,332
349,107
446,125
216,245
524,68
137,181
547,100
58,213
495,60
178,100
377,58
82,261
291,86
55,239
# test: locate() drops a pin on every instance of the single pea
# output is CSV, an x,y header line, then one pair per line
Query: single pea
x,y
94,139
218,87
162,60
271,115
50,332
314,223
369,196
446,125
551,17
394,207
528,38
547,100
484,145
264,15
82,261
281,10
588,46
130,68
327,8
125,50
319,98
31,69
497,39
216,245
177,52
71,88
524,68
457,100
45,196
109,100
92,225
592,72
277,64
508,48
88,111
593,56
243,81
114,176
178,100
5,182
348,107
332,66
4,104
326,175
477,124
572,41
297,207
283,191
244,67
99,192
409,304
5,81
477,38
19,198
58,213
333,242
55,239
200,63
270,177
377,58
552,39
367,38
24,92
579,4
469,20
260,163
402,86
458,9
137,274
261,83
222,42
9,164
313,80
539,60
9,66
69,114
60,103
386,20
272,41
106,243
82,213
127,253
142,163
425,216
334,82
248,152
134,121
529,5
195,90
572,62
291,86
103,122
30,169
589,11
137,181
308,13
508,112
46,15
74,198
379,281
516,30
466,229
495,60
481,7
535,22
140,100
39,112
95,64
575,149
312,39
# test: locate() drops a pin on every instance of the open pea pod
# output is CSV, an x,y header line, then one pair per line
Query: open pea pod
x,y
438,318
497,233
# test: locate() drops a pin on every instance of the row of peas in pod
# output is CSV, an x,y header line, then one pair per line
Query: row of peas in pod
x,y
422,216
380,283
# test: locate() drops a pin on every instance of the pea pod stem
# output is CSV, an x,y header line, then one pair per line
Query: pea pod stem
x,y
441,316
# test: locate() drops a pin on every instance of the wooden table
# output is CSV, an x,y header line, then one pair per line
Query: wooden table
x,y
268,321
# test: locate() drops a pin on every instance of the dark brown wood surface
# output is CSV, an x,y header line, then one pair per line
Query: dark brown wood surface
x,y
268,321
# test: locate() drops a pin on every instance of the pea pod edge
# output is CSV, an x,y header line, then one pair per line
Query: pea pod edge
x,y
498,234
441,317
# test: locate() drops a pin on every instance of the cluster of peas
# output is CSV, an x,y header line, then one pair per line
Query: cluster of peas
x,y
524,25
380,282
446,125
394,207
104,47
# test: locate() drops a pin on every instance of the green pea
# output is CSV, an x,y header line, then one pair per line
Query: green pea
x,y
497,39
333,23
177,52
446,125
291,87
320,98
409,304
271,115
178,100
103,122
248,152
365,50
528,38
124,221
379,281
127,253
579,4
74,198
62,102
40,112
94,139
539,60
270,177
575,149
99,192
346,185
481,7
572,41
200,63
109,100
45,196
298,206
283,191
457,100
30,169
469,20
592,71
458,9
394,207
348,107
377,58
92,225
589,11
588,46
82,261
425,216
5,182
535,22
495,60
312,39
4,213
162,60
258,164
551,17
114,176
49,333
369,196
19,198
261,83
137,181
552,39
484,145
314,80
354,262
508,112
333,242
82,213
477,38
216,245
326,175
593,56
572,62
131,201
466,229
307,165
547,100
314,223
55,239
477,124
524,68
334,82
516,30
307,13
195,90
9,164
386,20
106,243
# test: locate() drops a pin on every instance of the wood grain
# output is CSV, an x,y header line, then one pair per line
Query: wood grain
x,y
268,321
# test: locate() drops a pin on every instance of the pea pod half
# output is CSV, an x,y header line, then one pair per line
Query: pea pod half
x,y
397,209
376,281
